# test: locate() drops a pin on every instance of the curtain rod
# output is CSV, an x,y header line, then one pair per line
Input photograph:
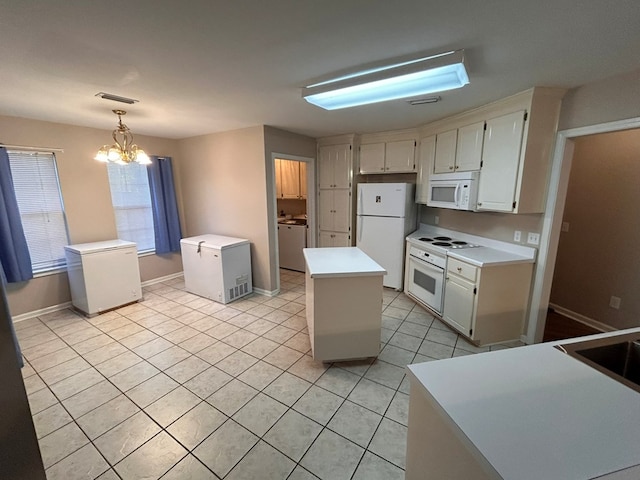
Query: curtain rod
x,y
26,147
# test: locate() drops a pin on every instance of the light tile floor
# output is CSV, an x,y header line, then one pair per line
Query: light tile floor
x,y
178,386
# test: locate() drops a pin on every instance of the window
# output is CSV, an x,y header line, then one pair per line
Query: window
x,y
35,180
132,204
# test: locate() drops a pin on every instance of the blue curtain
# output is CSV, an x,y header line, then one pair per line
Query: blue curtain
x,y
166,222
14,252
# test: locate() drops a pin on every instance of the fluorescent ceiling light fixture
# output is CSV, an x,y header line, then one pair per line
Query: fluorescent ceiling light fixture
x,y
421,76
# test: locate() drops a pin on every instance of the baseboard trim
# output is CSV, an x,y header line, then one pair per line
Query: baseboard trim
x,y
590,322
268,293
162,279
42,311
62,306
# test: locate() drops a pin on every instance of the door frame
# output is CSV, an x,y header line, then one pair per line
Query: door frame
x,y
552,220
311,205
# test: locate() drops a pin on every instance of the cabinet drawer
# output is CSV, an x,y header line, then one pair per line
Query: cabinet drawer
x,y
463,269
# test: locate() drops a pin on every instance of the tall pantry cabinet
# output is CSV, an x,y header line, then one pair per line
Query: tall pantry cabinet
x,y
335,172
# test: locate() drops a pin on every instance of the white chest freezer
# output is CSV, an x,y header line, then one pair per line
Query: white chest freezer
x,y
103,275
217,267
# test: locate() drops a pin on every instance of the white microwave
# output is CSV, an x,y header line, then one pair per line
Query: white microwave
x,y
457,190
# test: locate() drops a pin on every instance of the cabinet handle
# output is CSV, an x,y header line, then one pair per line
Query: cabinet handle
x,y
459,269
456,167
450,167
381,168
479,204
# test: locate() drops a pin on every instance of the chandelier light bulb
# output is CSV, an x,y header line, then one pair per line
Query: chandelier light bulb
x,y
123,151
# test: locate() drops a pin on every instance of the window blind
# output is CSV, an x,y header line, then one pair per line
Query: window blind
x,y
132,204
37,188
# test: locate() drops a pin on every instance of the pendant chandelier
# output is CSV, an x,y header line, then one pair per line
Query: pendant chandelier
x,y
123,151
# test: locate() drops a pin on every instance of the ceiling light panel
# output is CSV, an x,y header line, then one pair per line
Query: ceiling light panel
x,y
409,79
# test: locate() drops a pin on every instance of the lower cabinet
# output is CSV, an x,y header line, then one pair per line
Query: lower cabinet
x,y
333,239
487,304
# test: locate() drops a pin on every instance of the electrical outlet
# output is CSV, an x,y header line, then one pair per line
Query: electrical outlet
x,y
516,235
615,302
565,226
436,219
533,238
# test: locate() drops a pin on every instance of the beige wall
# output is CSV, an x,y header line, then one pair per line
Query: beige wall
x,y
278,141
87,199
227,187
598,257
611,99
499,226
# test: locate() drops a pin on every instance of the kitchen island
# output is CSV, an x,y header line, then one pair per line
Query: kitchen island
x,y
343,303
531,412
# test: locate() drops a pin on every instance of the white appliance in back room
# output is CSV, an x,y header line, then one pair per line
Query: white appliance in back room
x,y
217,267
386,214
103,275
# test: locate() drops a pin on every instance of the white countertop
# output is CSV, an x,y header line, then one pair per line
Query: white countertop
x,y
536,413
485,256
491,252
340,262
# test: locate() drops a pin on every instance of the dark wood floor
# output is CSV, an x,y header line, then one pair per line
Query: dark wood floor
x,y
559,327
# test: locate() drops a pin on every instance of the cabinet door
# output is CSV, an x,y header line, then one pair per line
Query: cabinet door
x,y
458,303
342,166
469,147
325,239
278,164
341,210
303,179
290,174
325,210
445,158
326,156
425,161
400,156
341,240
372,158
500,161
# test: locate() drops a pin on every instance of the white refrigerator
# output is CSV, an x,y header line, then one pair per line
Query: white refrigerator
x,y
386,214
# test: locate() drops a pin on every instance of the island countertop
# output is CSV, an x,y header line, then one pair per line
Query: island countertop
x,y
340,262
534,412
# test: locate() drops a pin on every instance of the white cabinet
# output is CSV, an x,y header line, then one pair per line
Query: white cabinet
x,y
291,240
388,157
426,157
445,155
459,150
469,147
334,165
333,239
487,304
334,195
291,179
500,161
334,210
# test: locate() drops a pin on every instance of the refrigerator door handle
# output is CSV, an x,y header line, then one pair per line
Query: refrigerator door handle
x,y
359,209
359,229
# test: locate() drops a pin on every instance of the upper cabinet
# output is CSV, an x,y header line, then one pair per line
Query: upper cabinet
x,y
426,158
509,142
291,179
500,162
335,162
388,157
459,150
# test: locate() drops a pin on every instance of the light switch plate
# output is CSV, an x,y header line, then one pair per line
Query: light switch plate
x,y
517,235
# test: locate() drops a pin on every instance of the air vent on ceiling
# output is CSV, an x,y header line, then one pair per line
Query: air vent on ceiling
x,y
422,101
116,98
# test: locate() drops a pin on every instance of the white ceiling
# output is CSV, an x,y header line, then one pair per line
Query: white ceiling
x,y
206,66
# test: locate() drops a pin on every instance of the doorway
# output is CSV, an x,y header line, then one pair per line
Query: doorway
x,y
294,210
552,220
